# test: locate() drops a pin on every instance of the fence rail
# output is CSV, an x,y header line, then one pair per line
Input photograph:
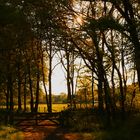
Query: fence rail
x,y
35,118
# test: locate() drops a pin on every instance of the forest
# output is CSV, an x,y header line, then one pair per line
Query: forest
x,y
97,44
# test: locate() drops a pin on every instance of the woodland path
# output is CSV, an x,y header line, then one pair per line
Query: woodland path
x,y
49,132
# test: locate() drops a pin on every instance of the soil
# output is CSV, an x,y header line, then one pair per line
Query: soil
x,y
47,130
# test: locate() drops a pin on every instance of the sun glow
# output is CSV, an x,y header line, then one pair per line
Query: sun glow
x,y
79,19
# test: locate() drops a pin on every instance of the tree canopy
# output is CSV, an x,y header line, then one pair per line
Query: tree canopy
x,y
103,34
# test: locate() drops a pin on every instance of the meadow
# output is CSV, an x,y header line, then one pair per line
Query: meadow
x,y
43,107
55,107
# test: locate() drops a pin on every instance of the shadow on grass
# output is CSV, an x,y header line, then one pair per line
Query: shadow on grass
x,y
127,130
10,133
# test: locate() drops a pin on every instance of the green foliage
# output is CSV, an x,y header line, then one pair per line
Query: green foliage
x,y
62,98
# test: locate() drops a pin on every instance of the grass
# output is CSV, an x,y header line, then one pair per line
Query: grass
x,y
43,107
127,130
55,107
10,133
82,121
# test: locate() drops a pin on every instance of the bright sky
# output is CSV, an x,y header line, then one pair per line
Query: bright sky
x,y
58,80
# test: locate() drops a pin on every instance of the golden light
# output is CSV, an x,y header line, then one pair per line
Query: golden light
x,y
78,20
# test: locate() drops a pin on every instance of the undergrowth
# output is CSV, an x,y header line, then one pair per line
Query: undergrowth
x,y
97,125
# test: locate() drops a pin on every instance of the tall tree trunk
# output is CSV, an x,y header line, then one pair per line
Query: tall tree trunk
x,y
99,71
128,15
113,69
100,95
50,79
113,89
68,77
11,98
37,89
122,95
7,97
134,38
108,100
25,92
137,53
134,91
123,73
44,84
31,91
38,74
92,88
11,93
19,88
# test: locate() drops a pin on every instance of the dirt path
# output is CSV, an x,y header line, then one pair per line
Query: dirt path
x,y
49,132
34,132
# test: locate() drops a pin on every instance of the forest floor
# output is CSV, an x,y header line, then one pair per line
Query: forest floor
x,y
50,131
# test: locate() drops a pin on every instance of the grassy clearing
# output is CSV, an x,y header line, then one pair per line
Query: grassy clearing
x,y
43,107
55,107
10,133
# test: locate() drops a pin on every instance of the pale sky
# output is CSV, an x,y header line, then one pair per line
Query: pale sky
x,y
58,80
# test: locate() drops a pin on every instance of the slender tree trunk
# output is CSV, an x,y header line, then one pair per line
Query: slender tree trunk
x,y
25,92
113,89
43,76
7,104
102,78
68,77
134,92
99,71
92,88
128,14
37,89
122,96
7,97
37,94
137,55
50,79
11,98
85,93
124,75
113,70
100,95
19,88
108,100
11,92
31,91
133,33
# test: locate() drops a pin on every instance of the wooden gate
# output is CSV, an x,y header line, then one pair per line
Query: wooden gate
x,y
36,118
